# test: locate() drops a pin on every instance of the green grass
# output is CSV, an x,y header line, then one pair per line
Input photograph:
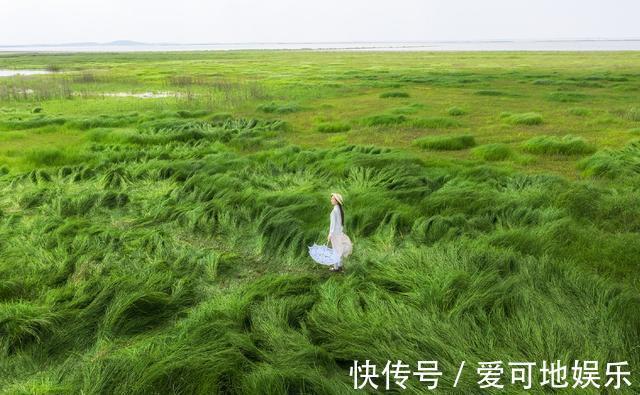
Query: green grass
x,y
445,143
632,114
31,122
618,164
383,120
279,108
104,120
41,157
160,245
579,111
456,111
528,118
220,117
394,94
408,109
567,97
433,123
553,145
333,127
493,152
490,92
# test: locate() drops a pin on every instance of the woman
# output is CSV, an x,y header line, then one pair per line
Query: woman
x,y
340,243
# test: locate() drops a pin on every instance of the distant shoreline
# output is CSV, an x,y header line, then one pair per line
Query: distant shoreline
x,y
489,45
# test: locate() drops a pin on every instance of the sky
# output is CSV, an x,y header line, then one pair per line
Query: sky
x,y
250,21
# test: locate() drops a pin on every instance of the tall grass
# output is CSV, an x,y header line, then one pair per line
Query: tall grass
x,y
490,92
394,94
104,120
631,114
383,120
567,97
493,152
456,111
579,111
43,157
33,89
31,122
445,143
433,122
279,108
527,118
181,266
167,252
614,164
333,127
408,109
553,145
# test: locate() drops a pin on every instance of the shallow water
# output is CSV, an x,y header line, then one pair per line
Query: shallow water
x,y
11,73
144,95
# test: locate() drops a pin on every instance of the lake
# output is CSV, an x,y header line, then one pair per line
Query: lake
x,y
11,73
496,45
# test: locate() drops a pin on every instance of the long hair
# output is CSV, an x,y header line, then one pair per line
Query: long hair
x,y
341,214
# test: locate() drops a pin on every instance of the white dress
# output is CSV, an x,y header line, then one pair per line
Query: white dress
x,y
340,242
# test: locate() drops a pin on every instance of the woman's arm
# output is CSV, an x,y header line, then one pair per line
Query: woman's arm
x,y
334,221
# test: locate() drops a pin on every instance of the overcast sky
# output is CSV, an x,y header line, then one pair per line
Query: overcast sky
x,y
236,21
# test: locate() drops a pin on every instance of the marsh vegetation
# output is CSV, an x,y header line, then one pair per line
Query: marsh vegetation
x,y
159,245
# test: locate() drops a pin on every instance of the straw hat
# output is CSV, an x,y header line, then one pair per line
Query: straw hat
x,y
338,197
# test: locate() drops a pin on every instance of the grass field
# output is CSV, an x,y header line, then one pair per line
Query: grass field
x,y
157,244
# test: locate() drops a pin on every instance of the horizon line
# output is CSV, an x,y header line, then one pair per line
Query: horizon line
x,y
134,42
